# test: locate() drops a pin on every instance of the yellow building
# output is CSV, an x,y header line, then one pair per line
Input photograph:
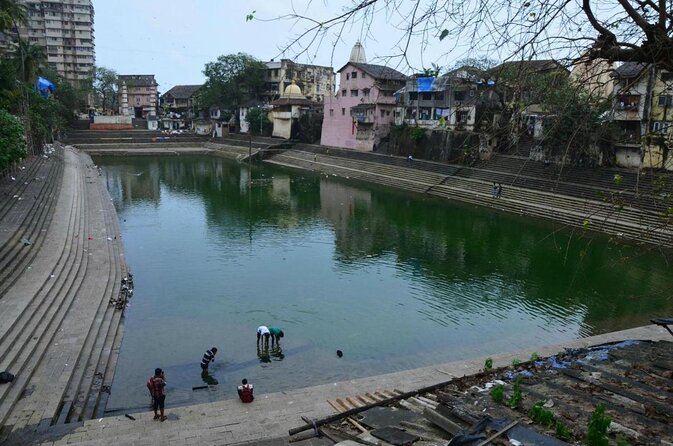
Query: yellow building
x,y
659,139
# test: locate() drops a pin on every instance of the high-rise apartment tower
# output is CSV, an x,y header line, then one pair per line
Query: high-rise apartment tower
x,y
64,28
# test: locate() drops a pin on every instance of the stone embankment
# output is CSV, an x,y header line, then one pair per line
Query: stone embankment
x,y
61,272
621,203
587,199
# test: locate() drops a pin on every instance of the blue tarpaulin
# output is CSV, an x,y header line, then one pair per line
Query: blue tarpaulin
x,y
424,83
44,86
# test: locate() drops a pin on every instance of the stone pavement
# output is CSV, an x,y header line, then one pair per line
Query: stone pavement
x,y
271,416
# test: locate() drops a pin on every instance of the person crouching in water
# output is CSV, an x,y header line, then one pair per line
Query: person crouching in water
x,y
208,356
263,330
245,392
276,334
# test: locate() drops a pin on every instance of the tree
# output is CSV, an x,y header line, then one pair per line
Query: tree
x,y
232,80
575,123
12,140
617,30
12,14
105,87
258,121
31,61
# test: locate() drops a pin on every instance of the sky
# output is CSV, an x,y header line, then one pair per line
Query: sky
x,y
174,39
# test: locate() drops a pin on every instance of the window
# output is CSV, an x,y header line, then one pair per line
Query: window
x,y
665,100
439,96
331,112
354,74
666,76
413,95
459,95
365,92
348,76
462,117
388,113
343,112
383,113
354,93
660,126
426,96
343,92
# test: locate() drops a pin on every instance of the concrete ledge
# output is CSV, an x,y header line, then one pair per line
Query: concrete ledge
x,y
272,415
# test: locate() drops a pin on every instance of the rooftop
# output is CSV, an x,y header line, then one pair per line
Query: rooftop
x,y
183,91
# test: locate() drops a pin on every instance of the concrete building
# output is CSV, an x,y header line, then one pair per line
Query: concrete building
x,y
181,98
64,28
288,109
362,111
138,95
459,100
632,94
315,81
595,76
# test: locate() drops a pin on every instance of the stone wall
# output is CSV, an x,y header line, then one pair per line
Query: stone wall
x,y
432,145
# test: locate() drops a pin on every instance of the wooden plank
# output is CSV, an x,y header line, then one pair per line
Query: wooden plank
x,y
357,425
441,421
344,404
373,397
332,418
365,399
354,402
421,402
661,408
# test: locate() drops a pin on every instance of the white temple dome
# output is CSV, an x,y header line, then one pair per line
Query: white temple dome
x,y
292,91
358,53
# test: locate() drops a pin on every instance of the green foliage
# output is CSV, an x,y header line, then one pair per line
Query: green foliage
x,y
488,364
516,362
498,393
417,134
598,428
562,432
534,356
251,16
232,80
517,395
541,415
617,179
258,121
105,87
12,13
12,140
622,441
309,128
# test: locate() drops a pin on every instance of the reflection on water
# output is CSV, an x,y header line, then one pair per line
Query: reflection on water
x,y
393,280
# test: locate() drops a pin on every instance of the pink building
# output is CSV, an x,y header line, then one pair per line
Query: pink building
x,y
362,111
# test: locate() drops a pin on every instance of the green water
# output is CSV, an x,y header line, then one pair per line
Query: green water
x,y
395,281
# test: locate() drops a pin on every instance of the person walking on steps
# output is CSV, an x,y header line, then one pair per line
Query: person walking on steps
x,y
499,191
157,387
208,356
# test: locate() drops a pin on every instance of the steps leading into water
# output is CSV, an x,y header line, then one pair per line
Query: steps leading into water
x,y
59,334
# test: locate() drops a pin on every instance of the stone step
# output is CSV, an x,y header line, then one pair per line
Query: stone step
x,y
93,362
15,256
572,210
41,320
26,173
